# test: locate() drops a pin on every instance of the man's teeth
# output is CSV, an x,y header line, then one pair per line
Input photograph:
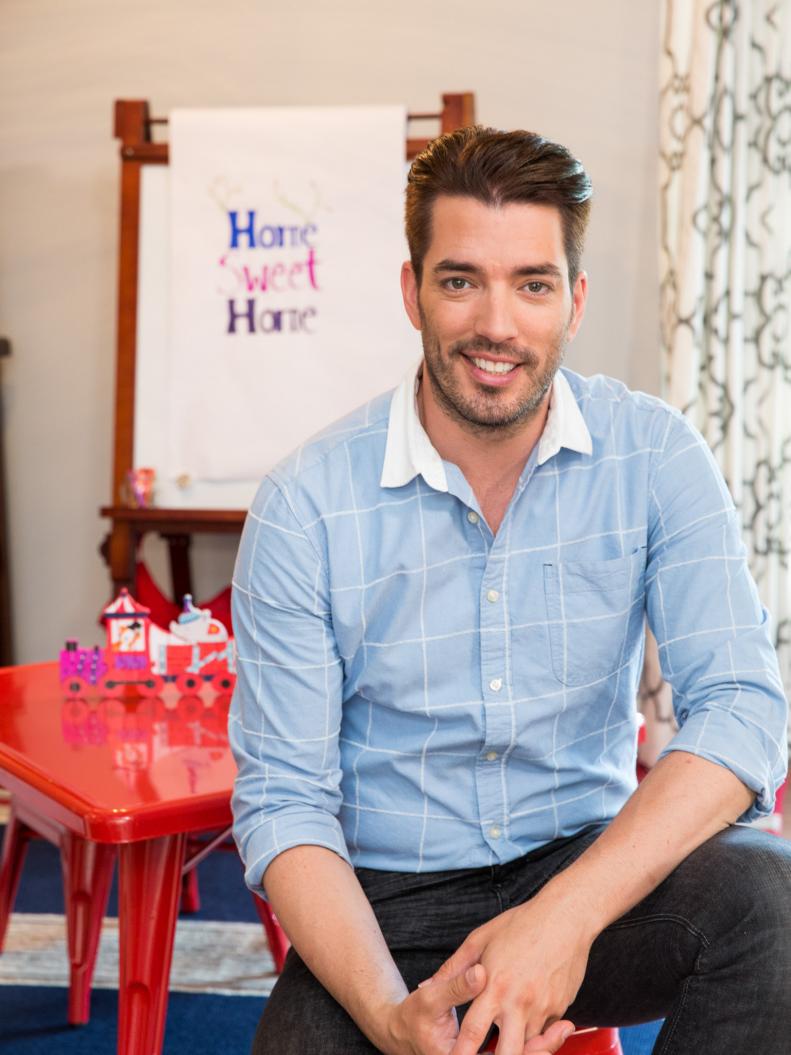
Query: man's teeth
x,y
493,368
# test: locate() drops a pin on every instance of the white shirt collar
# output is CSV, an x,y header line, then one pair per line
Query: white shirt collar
x,y
409,452
565,425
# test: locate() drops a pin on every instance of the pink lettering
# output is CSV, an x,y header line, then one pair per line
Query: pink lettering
x,y
275,274
310,263
293,273
276,277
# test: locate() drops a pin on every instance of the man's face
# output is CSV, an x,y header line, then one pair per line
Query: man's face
x,y
494,309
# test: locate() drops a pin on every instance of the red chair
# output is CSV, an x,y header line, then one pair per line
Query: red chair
x,y
585,1042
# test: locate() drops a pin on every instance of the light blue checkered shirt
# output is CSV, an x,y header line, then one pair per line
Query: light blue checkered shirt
x,y
417,694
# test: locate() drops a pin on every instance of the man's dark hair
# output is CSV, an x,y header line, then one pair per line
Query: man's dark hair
x,y
497,168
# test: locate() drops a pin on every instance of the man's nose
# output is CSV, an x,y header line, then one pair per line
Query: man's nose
x,y
495,318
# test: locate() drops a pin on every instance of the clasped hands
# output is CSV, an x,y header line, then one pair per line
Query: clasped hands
x,y
520,971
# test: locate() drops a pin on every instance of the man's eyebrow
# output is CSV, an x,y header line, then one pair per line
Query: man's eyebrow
x,y
548,270
456,265
464,267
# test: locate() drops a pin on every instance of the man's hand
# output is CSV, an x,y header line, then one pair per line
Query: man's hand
x,y
535,958
425,1022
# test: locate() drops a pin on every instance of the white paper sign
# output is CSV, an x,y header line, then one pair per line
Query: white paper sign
x,y
286,241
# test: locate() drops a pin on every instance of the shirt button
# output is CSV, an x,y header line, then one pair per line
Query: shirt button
x,y
493,595
495,832
473,517
491,756
496,684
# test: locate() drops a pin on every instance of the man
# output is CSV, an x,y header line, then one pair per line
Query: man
x,y
439,609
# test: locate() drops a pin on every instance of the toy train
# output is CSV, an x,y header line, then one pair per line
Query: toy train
x,y
140,657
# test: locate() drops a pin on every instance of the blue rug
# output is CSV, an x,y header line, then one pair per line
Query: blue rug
x,y
639,1040
32,1023
32,1018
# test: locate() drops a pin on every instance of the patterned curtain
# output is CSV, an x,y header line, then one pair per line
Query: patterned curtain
x,y
725,264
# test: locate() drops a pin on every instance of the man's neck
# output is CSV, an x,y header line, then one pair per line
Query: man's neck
x,y
491,462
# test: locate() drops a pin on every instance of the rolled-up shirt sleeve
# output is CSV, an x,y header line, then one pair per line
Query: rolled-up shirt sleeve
x,y
714,637
285,713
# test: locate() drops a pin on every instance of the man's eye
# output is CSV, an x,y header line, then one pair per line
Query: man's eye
x,y
456,283
536,287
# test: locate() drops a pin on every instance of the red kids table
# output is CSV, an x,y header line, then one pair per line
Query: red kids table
x,y
125,778
133,779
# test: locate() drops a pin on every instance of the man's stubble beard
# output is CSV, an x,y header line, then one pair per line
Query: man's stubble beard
x,y
488,414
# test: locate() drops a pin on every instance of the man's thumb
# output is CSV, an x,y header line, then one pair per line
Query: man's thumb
x,y
466,986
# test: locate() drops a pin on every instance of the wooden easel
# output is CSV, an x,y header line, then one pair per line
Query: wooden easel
x,y
134,127
6,638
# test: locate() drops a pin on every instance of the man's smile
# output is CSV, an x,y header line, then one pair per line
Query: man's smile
x,y
492,372
494,366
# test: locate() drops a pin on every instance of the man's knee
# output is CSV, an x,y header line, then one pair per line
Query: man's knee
x,y
742,878
745,868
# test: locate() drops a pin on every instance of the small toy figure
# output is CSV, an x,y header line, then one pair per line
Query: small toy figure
x,y
197,624
139,490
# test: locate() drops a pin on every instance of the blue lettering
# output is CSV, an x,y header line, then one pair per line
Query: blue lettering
x,y
237,231
270,237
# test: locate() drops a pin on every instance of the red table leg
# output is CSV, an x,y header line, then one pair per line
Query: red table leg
x,y
190,892
275,935
87,875
17,836
148,899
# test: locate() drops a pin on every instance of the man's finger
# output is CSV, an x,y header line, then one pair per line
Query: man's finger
x,y
512,1036
445,993
474,1027
551,1040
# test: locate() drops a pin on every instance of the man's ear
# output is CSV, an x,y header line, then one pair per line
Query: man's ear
x,y
409,291
579,298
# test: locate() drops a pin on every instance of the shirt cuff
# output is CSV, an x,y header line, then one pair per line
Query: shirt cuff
x,y
718,736
281,832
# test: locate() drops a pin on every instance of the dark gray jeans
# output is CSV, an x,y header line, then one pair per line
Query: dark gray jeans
x,y
709,950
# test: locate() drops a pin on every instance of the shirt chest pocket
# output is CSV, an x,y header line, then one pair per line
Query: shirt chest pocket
x,y
594,608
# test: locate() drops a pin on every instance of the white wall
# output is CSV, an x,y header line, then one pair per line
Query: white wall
x,y
581,72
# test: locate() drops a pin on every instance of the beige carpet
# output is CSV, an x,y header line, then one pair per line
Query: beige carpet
x,y
230,959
